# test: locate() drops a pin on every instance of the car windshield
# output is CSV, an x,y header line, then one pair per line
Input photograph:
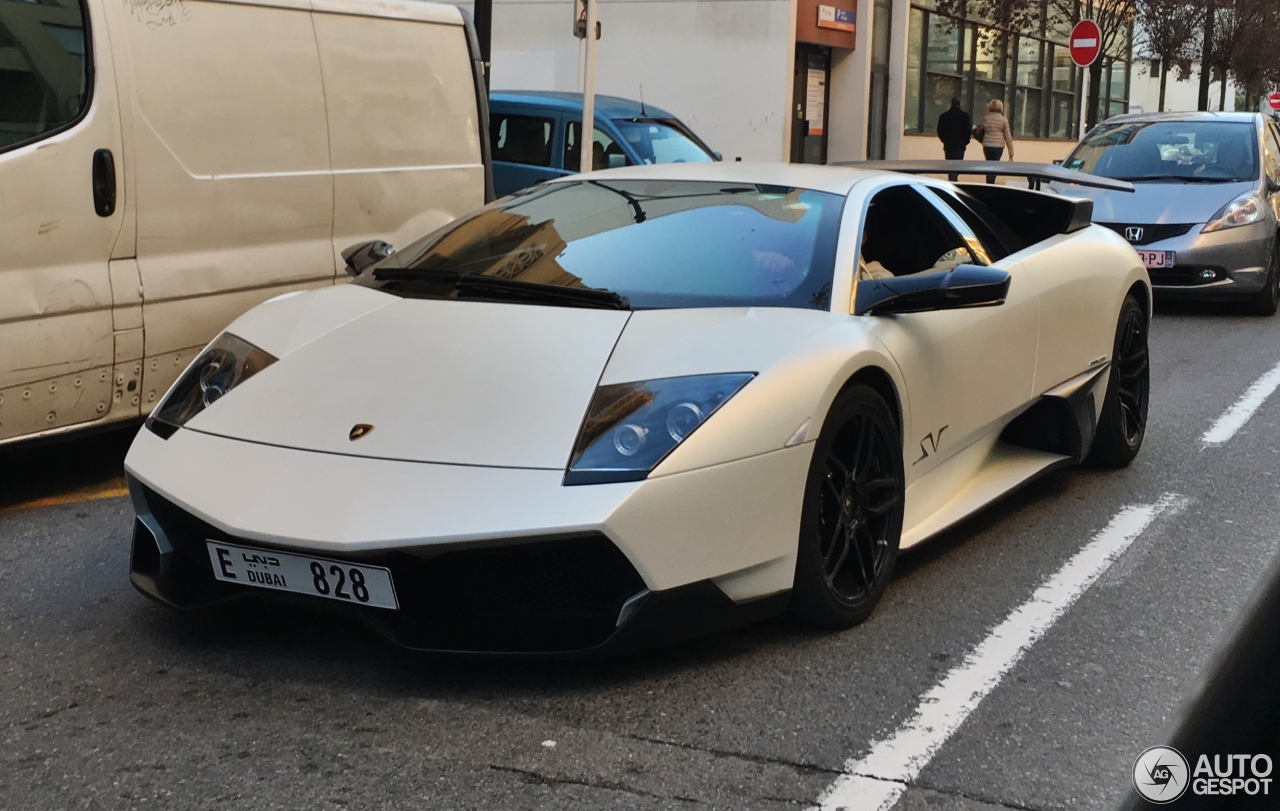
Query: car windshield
x,y
1169,151
633,243
662,141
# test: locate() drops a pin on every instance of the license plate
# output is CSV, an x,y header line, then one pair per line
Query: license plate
x,y
303,574
1157,259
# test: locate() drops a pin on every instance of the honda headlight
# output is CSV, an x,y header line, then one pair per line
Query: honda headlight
x,y
223,365
1244,210
631,427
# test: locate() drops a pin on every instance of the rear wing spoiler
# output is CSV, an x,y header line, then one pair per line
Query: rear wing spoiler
x,y
1035,173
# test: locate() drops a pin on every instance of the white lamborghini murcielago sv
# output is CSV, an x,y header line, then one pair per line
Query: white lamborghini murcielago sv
x,y
644,404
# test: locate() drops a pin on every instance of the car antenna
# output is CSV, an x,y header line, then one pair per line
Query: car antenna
x,y
643,114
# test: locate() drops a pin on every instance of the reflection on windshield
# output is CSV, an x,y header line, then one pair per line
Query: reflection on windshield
x,y
656,243
662,141
1173,151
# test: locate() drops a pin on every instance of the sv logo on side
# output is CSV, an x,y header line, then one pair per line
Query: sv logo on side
x,y
930,444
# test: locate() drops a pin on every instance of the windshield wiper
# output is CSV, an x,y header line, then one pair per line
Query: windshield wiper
x,y
468,283
1178,179
549,293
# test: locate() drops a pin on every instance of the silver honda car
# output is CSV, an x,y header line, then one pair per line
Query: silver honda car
x,y
1206,204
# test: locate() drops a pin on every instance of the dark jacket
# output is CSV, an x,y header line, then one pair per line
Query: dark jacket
x,y
955,128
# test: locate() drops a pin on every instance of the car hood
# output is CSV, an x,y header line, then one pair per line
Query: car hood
x,y
454,382
478,383
1152,203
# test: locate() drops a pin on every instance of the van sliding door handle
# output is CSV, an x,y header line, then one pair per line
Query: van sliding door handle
x,y
104,183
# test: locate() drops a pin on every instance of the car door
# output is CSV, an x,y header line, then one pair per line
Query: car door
x,y
968,371
60,140
523,147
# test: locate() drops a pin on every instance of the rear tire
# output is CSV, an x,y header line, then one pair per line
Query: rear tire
x,y
1124,407
851,522
1265,301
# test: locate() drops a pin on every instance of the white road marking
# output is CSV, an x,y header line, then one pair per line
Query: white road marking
x,y
878,780
1235,417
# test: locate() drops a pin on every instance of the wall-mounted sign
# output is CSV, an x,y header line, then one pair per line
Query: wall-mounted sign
x,y
840,19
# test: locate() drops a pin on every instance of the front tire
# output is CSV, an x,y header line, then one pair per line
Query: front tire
x,y
851,523
1264,303
1123,423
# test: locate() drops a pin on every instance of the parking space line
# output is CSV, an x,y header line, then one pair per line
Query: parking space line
x,y
1235,417
879,779
113,489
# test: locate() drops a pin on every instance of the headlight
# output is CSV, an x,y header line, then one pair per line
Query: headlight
x,y
1244,210
631,427
223,365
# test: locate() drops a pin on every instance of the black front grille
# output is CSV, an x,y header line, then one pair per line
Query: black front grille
x,y
536,594
1150,233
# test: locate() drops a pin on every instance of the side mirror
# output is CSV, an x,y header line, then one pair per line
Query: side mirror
x,y
1058,162
962,286
359,257
615,161
718,156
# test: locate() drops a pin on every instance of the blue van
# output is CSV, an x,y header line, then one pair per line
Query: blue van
x,y
534,136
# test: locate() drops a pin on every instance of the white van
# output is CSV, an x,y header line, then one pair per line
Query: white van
x,y
167,164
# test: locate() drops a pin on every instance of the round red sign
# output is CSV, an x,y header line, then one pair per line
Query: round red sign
x,y
1274,101
1085,43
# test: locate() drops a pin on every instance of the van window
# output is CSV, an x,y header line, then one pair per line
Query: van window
x,y
521,139
43,69
605,154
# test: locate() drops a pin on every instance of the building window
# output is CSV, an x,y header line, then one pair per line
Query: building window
x,y
1063,102
1028,97
1032,74
1117,89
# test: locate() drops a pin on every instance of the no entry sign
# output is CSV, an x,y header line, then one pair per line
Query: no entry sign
x,y
1274,101
1085,43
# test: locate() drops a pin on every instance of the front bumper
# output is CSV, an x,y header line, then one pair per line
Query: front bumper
x,y
483,560
1237,257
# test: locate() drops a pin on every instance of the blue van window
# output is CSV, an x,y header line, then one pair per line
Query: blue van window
x,y
521,139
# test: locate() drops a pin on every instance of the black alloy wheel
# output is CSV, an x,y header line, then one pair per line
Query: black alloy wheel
x,y
1123,424
852,519
1266,300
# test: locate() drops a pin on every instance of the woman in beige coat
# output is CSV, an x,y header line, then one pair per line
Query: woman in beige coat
x,y
996,134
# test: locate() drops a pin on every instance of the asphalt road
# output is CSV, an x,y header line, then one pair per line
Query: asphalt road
x,y
109,701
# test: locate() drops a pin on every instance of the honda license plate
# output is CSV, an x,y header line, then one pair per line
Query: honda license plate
x,y
303,574
1157,259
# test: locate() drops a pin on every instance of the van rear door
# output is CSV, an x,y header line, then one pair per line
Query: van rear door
x,y
404,123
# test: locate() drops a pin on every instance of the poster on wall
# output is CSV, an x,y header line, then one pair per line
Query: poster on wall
x,y
815,104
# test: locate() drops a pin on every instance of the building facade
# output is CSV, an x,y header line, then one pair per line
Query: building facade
x,y
811,80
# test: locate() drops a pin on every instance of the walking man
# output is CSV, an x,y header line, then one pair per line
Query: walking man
x,y
954,130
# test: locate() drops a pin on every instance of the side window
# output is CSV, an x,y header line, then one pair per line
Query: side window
x,y
904,233
521,139
44,75
977,232
605,154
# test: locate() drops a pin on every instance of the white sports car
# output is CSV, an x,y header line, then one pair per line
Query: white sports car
x,y
645,404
